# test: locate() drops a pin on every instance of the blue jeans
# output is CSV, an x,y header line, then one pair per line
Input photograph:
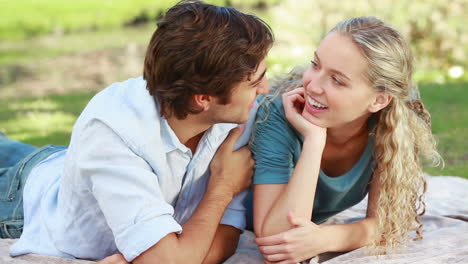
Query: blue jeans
x,y
16,162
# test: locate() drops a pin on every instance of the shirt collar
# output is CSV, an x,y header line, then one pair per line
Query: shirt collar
x,y
170,140
213,136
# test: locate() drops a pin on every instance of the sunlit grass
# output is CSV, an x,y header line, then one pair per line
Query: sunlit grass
x,y
17,51
41,121
23,19
447,105
27,126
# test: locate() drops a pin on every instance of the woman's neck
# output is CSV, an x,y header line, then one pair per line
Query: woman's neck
x,y
344,146
347,133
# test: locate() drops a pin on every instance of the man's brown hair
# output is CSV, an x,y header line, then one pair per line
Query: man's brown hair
x,y
200,48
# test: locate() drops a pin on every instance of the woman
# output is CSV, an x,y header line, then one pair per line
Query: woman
x,y
353,125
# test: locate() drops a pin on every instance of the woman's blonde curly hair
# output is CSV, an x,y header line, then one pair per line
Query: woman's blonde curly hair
x,y
402,131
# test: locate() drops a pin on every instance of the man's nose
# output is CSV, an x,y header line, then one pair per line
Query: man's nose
x,y
264,87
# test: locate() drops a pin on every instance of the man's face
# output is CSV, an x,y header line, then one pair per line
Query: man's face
x,y
242,99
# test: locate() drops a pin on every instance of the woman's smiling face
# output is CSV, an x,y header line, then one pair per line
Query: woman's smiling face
x,y
337,92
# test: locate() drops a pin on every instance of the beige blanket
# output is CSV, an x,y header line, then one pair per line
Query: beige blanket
x,y
445,234
445,231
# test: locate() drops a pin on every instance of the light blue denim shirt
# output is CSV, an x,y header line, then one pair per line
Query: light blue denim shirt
x,y
125,182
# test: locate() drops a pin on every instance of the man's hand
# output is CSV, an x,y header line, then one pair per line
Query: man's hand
x,y
114,259
231,169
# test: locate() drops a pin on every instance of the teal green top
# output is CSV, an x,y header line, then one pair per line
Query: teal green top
x,y
276,146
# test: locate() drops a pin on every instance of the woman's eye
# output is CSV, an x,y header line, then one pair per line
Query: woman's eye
x,y
336,81
314,64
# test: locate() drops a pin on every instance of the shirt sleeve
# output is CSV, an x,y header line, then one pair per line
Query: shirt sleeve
x,y
235,213
272,144
126,190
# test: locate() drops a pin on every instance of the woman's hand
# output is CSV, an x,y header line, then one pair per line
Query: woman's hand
x,y
293,104
304,241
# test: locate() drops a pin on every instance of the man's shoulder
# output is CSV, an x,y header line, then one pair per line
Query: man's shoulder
x,y
128,110
131,93
123,102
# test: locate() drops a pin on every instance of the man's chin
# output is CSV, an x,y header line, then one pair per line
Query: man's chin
x,y
238,120
244,120
241,120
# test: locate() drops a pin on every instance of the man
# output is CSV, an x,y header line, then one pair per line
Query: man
x,y
147,173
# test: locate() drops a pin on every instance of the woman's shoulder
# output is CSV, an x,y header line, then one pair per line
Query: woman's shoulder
x,y
271,107
271,122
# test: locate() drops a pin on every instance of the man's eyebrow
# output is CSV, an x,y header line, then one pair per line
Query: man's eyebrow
x,y
332,70
259,78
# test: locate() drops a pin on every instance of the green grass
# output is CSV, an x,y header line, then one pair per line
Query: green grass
x,y
14,52
23,19
49,120
42,121
447,105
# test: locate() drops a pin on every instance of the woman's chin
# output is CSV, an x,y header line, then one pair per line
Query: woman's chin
x,y
314,119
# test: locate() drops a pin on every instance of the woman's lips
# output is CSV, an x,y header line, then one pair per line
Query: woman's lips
x,y
313,109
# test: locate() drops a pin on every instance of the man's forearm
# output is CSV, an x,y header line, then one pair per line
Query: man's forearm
x,y
201,227
197,236
224,244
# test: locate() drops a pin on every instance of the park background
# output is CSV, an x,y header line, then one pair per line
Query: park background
x,y
56,54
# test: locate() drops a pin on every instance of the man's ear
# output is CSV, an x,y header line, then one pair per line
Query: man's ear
x,y
202,101
380,101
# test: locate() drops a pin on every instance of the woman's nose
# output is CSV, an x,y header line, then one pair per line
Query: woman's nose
x,y
314,85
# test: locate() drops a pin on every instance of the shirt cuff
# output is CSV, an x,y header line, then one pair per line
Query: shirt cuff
x,y
235,218
234,215
141,236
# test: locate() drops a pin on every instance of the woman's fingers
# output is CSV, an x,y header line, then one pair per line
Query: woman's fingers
x,y
275,257
299,90
295,102
276,249
270,240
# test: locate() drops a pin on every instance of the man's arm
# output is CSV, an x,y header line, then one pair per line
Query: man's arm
x,y
197,236
231,173
224,244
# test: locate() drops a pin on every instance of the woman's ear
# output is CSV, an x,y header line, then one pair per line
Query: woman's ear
x,y
202,101
381,101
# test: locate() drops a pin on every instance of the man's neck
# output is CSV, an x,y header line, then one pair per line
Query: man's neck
x,y
188,130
